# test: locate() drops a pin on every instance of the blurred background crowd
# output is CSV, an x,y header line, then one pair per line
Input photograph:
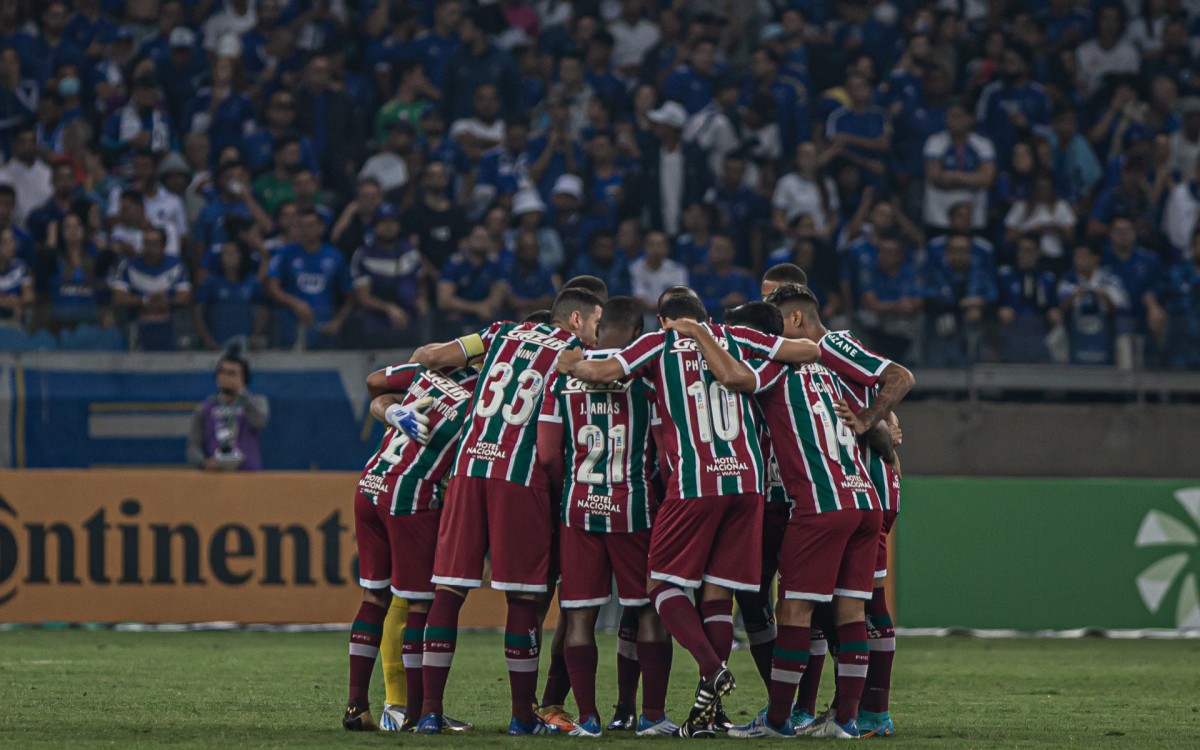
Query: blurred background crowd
x,y
961,180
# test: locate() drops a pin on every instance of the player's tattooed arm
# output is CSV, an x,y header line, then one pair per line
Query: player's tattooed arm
x,y
731,373
881,436
894,384
571,362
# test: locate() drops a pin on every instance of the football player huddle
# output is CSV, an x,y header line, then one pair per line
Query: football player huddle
x,y
688,467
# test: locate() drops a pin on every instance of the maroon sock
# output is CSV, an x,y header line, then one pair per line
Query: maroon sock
x,y
682,621
759,621
365,636
881,640
411,652
441,636
655,660
581,664
852,668
521,653
717,617
787,668
628,669
558,682
810,684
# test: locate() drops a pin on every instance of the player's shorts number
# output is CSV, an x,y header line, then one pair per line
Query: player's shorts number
x,y
838,434
716,412
529,385
391,454
592,438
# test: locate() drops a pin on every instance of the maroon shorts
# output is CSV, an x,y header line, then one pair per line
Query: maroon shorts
x,y
775,521
889,520
714,540
830,554
591,562
395,551
510,521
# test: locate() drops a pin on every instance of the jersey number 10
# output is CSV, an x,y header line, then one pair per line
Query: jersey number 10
x,y
716,411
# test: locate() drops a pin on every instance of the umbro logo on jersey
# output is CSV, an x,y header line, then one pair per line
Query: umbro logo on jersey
x,y
688,346
447,386
537,338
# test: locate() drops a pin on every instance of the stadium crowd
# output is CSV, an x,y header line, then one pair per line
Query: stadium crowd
x,y
962,181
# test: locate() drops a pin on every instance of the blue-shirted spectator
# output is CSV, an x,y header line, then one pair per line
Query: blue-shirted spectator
x,y
890,299
310,284
258,62
603,261
789,94
1181,296
474,63
279,121
390,285
436,147
691,84
914,122
233,198
434,48
598,70
505,165
860,131
720,284
1090,297
16,281
958,292
230,303
74,283
471,289
52,46
220,110
531,286
1065,22
18,96
554,153
151,286
1009,109
741,213
693,245
89,29
1076,168
1027,304
141,124
960,165
1141,273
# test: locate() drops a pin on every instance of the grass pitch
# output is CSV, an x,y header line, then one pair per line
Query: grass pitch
x,y
255,689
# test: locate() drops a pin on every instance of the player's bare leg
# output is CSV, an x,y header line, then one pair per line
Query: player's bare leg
x,y
654,651
365,636
873,714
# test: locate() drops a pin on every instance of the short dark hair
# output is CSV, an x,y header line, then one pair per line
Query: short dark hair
x,y
786,273
537,316
792,295
234,354
623,312
593,284
573,299
678,306
678,289
757,315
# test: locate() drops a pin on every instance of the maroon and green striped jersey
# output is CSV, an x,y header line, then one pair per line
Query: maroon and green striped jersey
x,y
709,433
818,455
773,481
403,473
500,439
859,369
607,451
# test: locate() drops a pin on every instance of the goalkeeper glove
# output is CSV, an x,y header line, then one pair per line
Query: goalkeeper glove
x,y
410,420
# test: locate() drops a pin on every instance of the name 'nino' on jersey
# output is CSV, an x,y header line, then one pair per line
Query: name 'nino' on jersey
x,y
403,472
500,439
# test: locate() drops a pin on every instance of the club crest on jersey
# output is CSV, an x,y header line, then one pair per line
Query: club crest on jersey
x,y
537,338
447,386
688,346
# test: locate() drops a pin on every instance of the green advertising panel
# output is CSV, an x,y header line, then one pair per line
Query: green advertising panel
x,y
1048,553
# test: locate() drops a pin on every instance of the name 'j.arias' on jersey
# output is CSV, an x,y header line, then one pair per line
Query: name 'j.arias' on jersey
x,y
859,369
818,455
709,432
500,439
606,450
403,473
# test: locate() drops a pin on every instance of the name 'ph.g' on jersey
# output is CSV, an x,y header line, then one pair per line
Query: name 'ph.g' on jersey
x,y
818,455
709,432
403,473
500,439
606,450
859,369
